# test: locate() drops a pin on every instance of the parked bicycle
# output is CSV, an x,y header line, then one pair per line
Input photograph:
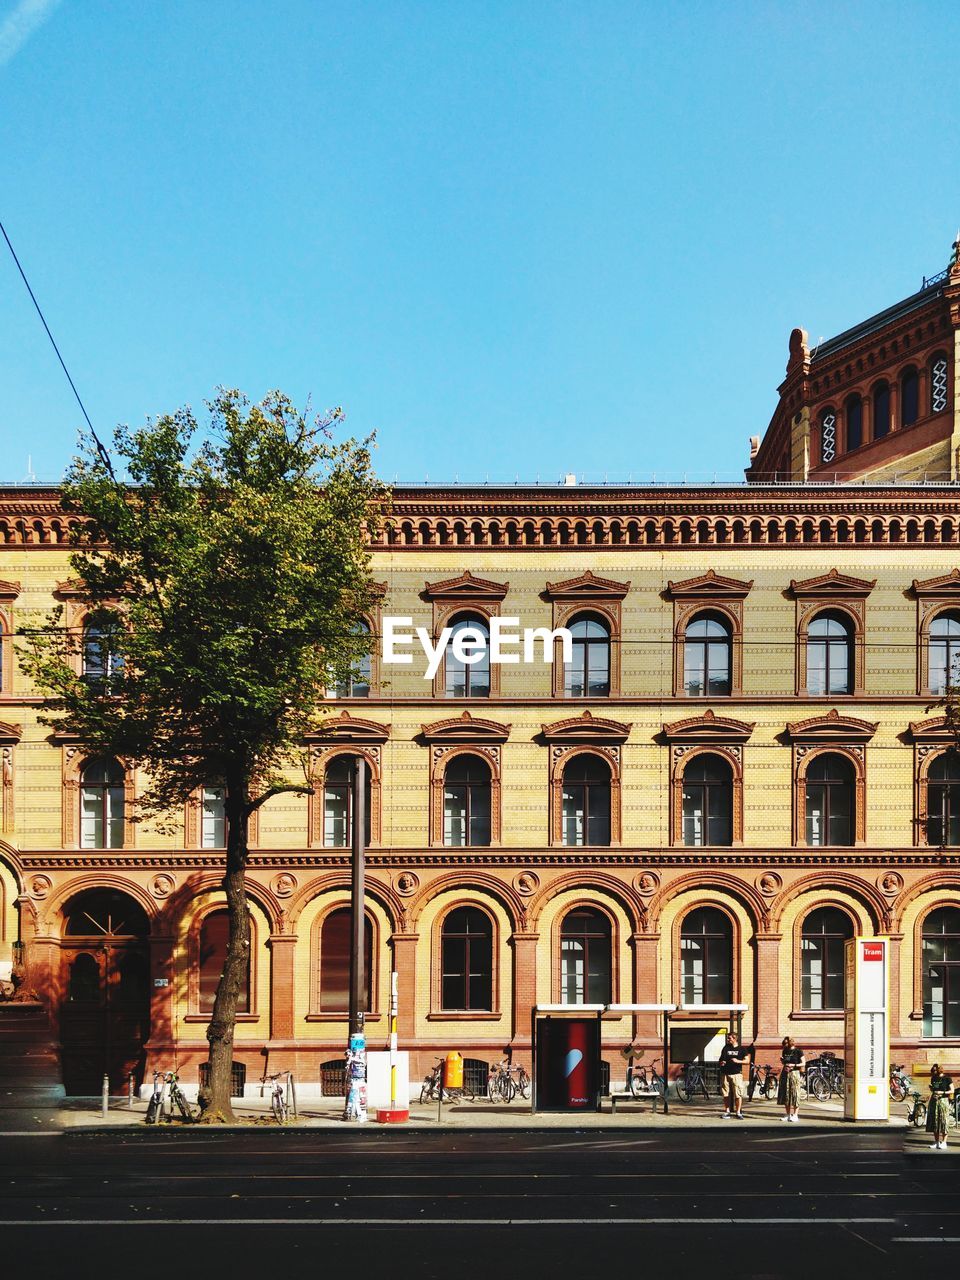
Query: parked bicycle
x,y
166,1098
500,1084
281,1091
763,1080
900,1083
433,1087
691,1081
916,1109
825,1077
639,1083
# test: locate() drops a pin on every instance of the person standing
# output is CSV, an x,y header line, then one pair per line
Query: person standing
x,y
940,1086
731,1077
788,1093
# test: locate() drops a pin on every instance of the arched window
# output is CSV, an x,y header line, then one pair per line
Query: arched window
x,y
338,803
102,805
941,973
707,802
944,652
100,659
939,373
588,674
105,913
707,651
586,801
821,958
335,943
706,957
853,412
214,930
213,834
466,962
909,397
830,800
585,957
828,435
357,683
84,979
469,679
829,655
466,802
881,410
943,800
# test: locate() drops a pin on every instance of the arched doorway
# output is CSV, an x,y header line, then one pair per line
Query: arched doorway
x,y
105,1010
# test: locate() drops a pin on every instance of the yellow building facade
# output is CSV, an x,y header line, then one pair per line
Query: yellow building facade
x,y
743,762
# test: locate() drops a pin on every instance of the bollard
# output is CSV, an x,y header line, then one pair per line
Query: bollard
x,y
105,1096
130,1090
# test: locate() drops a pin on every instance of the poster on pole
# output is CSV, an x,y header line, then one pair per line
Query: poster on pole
x,y
866,1029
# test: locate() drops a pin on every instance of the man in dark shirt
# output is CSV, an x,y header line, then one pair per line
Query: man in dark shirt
x,y
731,1077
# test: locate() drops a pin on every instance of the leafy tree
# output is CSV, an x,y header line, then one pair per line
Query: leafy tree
x,y
227,580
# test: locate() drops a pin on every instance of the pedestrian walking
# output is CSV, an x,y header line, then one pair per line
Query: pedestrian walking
x,y
731,1077
940,1086
788,1094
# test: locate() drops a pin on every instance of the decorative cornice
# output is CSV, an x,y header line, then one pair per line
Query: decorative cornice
x,y
348,728
72,589
10,732
708,728
938,729
9,590
832,727
466,728
709,585
948,584
587,586
834,583
465,587
586,728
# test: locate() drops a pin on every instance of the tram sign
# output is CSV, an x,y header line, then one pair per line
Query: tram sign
x,y
866,1029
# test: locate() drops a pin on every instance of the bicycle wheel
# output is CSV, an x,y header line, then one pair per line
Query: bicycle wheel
x,y
919,1116
467,1093
802,1086
493,1090
683,1088
183,1106
637,1084
278,1105
818,1086
702,1082
772,1086
153,1110
658,1084
837,1083
523,1084
898,1090
507,1088
426,1090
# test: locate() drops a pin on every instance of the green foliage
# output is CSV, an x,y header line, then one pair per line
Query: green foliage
x,y
228,580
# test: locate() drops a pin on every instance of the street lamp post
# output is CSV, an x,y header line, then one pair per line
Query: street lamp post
x,y
355,1107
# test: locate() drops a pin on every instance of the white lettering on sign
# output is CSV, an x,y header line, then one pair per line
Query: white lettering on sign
x,y
470,644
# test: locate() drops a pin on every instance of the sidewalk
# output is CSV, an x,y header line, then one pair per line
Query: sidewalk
x,y
326,1113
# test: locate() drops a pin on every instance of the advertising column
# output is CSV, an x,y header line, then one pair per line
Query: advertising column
x,y
867,1029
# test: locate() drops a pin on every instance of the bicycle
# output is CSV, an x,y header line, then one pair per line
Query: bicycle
x,y
900,1083
825,1077
523,1081
638,1082
500,1082
917,1110
434,1088
278,1095
690,1081
166,1096
764,1079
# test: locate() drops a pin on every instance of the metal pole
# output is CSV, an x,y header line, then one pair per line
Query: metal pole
x,y
666,1072
394,979
130,1090
105,1096
356,1100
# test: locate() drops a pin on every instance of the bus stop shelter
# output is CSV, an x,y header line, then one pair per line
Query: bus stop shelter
x,y
663,1011
700,1017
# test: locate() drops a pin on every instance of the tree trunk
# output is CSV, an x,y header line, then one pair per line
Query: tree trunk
x,y
216,1103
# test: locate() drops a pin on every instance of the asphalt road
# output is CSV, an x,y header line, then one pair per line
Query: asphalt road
x,y
739,1201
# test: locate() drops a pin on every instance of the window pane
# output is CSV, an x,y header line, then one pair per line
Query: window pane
x,y
718,669
115,806
841,808
694,668
335,943
214,820
479,814
816,834
214,932
91,818
455,815
816,667
573,827
839,662
336,833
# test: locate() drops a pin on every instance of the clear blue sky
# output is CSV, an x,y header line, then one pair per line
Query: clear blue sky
x,y
513,237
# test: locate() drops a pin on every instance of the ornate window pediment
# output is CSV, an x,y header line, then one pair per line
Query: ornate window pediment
x,y
946,587
466,728
9,590
709,586
588,586
348,728
10,732
72,589
708,728
586,728
465,587
937,729
833,585
832,727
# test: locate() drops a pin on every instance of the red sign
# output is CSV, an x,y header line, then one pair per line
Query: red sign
x,y
873,951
